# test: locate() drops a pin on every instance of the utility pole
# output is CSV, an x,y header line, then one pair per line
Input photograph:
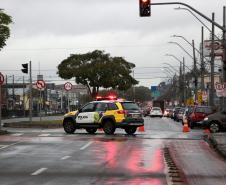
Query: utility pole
x,y
31,98
202,61
184,82
13,95
24,97
195,70
180,84
211,92
224,52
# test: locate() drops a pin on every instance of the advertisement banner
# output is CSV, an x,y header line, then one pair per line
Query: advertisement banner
x,y
218,48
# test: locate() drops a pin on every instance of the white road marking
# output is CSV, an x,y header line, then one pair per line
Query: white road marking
x,y
17,134
44,135
6,146
39,171
85,146
65,157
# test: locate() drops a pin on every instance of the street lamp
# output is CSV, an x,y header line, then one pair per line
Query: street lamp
x,y
179,8
171,67
181,48
178,60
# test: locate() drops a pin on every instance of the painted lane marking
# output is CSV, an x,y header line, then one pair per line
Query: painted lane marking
x,y
6,146
44,135
39,171
17,134
85,146
65,157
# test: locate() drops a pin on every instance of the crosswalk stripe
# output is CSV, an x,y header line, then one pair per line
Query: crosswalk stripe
x,y
17,134
44,135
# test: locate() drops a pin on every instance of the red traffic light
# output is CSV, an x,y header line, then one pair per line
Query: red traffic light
x,y
145,8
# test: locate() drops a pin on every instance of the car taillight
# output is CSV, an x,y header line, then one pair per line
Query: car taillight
x,y
122,112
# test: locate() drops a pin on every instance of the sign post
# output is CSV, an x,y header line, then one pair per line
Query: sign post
x,y
1,82
68,86
40,84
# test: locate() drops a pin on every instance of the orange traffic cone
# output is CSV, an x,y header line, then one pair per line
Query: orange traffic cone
x,y
185,127
141,129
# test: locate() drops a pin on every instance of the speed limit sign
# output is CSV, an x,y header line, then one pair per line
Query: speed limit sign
x,y
67,86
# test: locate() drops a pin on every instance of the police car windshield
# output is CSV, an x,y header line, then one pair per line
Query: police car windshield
x,y
130,106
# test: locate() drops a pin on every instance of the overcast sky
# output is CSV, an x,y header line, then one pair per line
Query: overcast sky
x,y
48,31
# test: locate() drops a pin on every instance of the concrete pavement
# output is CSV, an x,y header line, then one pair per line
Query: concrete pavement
x,y
218,142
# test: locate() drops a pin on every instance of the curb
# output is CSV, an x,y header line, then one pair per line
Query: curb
x,y
210,139
33,125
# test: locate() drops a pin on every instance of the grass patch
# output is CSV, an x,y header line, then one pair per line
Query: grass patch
x,y
35,124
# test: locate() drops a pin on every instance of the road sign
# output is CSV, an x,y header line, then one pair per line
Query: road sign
x,y
67,86
40,84
1,78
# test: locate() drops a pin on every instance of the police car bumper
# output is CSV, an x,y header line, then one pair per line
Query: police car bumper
x,y
131,122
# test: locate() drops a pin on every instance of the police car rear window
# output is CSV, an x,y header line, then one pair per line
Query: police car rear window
x,y
130,106
112,106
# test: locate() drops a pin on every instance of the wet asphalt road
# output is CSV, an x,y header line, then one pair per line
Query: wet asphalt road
x,y
50,157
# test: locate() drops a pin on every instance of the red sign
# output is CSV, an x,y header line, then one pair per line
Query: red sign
x,y
1,79
67,86
40,84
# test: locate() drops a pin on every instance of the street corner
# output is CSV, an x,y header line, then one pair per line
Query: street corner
x,y
218,142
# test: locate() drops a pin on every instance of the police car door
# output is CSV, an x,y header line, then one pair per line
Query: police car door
x,y
86,114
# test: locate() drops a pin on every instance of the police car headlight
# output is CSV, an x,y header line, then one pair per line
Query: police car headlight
x,y
206,119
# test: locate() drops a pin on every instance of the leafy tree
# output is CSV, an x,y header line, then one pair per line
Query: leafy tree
x,y
5,20
97,69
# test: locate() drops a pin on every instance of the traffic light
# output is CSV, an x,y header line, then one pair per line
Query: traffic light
x,y
144,8
25,68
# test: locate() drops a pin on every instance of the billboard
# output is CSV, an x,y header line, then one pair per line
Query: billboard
x,y
218,48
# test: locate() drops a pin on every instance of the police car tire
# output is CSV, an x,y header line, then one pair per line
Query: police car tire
x,y
91,130
130,130
109,127
69,126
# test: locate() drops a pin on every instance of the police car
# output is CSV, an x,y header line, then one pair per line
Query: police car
x,y
107,113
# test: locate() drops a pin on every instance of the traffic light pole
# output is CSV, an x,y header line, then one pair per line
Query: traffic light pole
x,y
224,54
211,92
31,98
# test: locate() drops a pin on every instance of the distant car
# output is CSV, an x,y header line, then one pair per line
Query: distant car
x,y
146,111
175,111
187,112
156,112
179,115
198,114
215,122
167,112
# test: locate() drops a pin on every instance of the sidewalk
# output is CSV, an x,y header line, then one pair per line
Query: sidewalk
x,y
218,142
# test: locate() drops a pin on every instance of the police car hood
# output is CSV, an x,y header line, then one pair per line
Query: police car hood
x,y
72,113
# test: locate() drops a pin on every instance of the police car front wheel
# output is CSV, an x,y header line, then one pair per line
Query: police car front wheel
x,y
69,126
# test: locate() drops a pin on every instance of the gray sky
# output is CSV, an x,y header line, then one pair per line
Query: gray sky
x,y
48,31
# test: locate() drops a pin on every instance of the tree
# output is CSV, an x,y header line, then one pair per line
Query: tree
x,y
97,69
5,20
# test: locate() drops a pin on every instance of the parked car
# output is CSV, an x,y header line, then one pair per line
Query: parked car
x,y
146,111
215,122
167,112
179,115
187,112
156,112
175,111
198,114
